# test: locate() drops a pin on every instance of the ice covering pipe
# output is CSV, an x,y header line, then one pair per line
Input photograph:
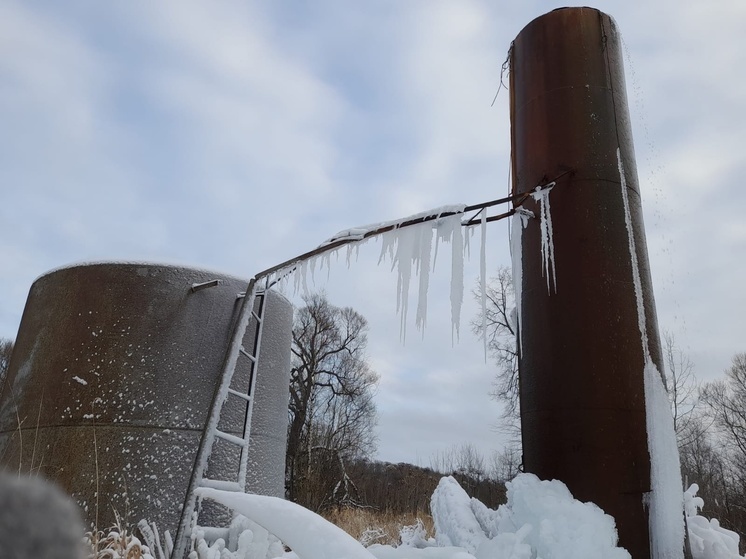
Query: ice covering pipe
x,y
581,365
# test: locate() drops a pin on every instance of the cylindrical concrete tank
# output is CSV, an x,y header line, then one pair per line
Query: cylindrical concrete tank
x,y
111,380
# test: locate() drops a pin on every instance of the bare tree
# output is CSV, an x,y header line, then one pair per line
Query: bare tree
x,y
462,459
501,332
726,402
683,390
6,349
506,463
331,411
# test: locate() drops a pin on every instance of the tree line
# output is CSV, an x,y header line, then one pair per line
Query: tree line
x,y
6,350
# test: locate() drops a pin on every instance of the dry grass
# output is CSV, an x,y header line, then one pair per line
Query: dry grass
x,y
369,526
117,543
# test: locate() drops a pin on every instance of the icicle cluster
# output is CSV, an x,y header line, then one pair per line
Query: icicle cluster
x,y
411,251
541,195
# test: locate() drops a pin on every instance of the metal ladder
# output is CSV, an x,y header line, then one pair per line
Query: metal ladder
x,y
211,434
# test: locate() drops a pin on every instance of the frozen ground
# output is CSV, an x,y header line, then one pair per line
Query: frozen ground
x,y
541,520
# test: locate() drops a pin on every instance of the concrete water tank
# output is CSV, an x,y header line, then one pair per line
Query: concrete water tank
x,y
111,380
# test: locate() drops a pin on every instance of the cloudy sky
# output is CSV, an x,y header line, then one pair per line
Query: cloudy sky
x,y
234,135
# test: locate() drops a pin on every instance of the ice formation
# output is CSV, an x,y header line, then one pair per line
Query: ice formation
x,y
539,519
410,251
518,224
664,502
707,539
483,278
309,535
541,195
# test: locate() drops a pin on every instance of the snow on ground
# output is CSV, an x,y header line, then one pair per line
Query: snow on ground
x,y
706,538
541,520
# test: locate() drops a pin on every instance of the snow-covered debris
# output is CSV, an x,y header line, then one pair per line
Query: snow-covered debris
x,y
415,535
455,521
561,526
309,535
404,552
246,540
707,539
540,519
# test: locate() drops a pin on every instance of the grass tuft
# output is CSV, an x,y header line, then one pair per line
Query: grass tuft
x,y
118,542
369,526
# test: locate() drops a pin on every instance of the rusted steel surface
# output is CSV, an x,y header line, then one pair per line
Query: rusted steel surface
x,y
581,364
111,380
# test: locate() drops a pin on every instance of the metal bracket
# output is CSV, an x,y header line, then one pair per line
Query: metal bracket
x,y
204,285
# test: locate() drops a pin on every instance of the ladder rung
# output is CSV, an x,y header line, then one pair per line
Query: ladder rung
x,y
221,484
230,438
247,354
239,394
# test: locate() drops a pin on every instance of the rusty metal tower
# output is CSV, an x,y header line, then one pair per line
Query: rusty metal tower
x,y
583,409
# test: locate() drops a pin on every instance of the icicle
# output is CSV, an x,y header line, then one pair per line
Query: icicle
x,y
438,233
541,195
457,277
467,243
483,279
450,231
518,224
388,242
404,257
304,276
425,249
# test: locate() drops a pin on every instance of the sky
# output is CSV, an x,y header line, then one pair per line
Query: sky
x,y
235,135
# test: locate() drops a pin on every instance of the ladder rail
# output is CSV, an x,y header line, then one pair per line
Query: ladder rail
x,y
208,436
254,367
